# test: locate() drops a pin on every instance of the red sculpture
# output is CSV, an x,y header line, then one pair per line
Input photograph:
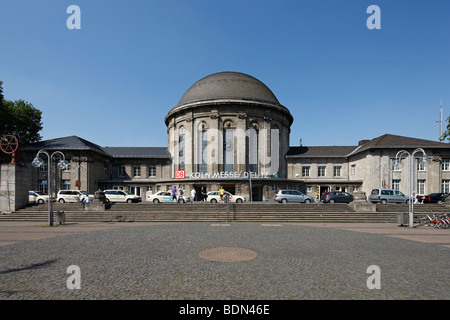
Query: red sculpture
x,y
10,145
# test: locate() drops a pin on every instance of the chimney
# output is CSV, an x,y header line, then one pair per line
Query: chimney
x,y
361,142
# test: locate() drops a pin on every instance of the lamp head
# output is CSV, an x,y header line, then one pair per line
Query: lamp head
x,y
37,162
425,160
62,164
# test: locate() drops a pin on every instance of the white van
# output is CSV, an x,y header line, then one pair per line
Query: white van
x,y
387,196
121,196
69,196
37,197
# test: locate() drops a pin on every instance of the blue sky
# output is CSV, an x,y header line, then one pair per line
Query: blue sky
x,y
113,81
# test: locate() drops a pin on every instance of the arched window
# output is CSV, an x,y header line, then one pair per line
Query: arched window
x,y
252,135
202,147
181,149
228,146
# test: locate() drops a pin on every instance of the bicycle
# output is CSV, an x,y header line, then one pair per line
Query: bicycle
x,y
442,221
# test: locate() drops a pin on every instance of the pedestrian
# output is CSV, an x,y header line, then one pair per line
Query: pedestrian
x,y
221,193
174,194
180,194
193,194
203,194
83,202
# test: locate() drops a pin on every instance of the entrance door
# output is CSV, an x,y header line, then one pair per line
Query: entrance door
x,y
136,191
322,190
257,193
231,188
198,192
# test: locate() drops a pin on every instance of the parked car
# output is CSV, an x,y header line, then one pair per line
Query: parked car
x,y
285,196
387,196
166,196
433,198
121,196
337,196
70,196
214,197
37,197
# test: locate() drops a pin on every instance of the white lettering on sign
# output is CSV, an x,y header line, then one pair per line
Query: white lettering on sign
x,y
228,175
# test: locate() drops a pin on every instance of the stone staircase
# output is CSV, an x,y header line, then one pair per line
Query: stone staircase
x,y
206,212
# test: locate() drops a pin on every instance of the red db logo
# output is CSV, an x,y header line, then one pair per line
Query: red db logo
x,y
180,174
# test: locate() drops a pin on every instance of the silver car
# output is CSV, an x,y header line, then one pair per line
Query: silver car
x,y
285,196
387,196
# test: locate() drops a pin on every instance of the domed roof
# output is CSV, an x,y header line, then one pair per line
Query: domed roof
x,y
228,85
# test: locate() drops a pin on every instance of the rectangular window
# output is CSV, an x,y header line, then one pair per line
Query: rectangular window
x,y
43,167
66,185
152,171
135,190
355,188
445,165
43,186
396,184
420,166
397,166
353,169
337,171
421,187
121,171
136,171
321,171
305,171
446,186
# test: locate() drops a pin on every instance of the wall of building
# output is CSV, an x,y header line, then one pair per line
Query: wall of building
x,y
13,195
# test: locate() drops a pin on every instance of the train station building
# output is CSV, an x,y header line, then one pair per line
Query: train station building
x,y
229,129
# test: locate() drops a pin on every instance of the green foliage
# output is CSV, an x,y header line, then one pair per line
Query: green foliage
x,y
20,119
446,134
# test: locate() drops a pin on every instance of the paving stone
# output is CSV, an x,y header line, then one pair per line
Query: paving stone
x,y
163,261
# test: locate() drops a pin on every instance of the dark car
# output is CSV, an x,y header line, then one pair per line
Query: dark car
x,y
337,196
433,198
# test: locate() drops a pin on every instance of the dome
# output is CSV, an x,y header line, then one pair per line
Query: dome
x,y
227,87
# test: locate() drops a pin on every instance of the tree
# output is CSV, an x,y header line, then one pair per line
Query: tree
x,y
20,119
1,92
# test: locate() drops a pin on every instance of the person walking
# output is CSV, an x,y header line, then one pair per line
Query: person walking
x,y
193,194
221,193
203,195
174,194
180,194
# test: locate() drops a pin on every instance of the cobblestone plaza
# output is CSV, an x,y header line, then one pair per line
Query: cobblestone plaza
x,y
220,261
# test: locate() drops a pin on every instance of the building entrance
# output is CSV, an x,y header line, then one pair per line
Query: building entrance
x,y
200,192
322,190
231,188
257,193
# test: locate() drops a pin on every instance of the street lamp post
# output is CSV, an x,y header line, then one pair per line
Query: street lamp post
x,y
424,160
37,162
